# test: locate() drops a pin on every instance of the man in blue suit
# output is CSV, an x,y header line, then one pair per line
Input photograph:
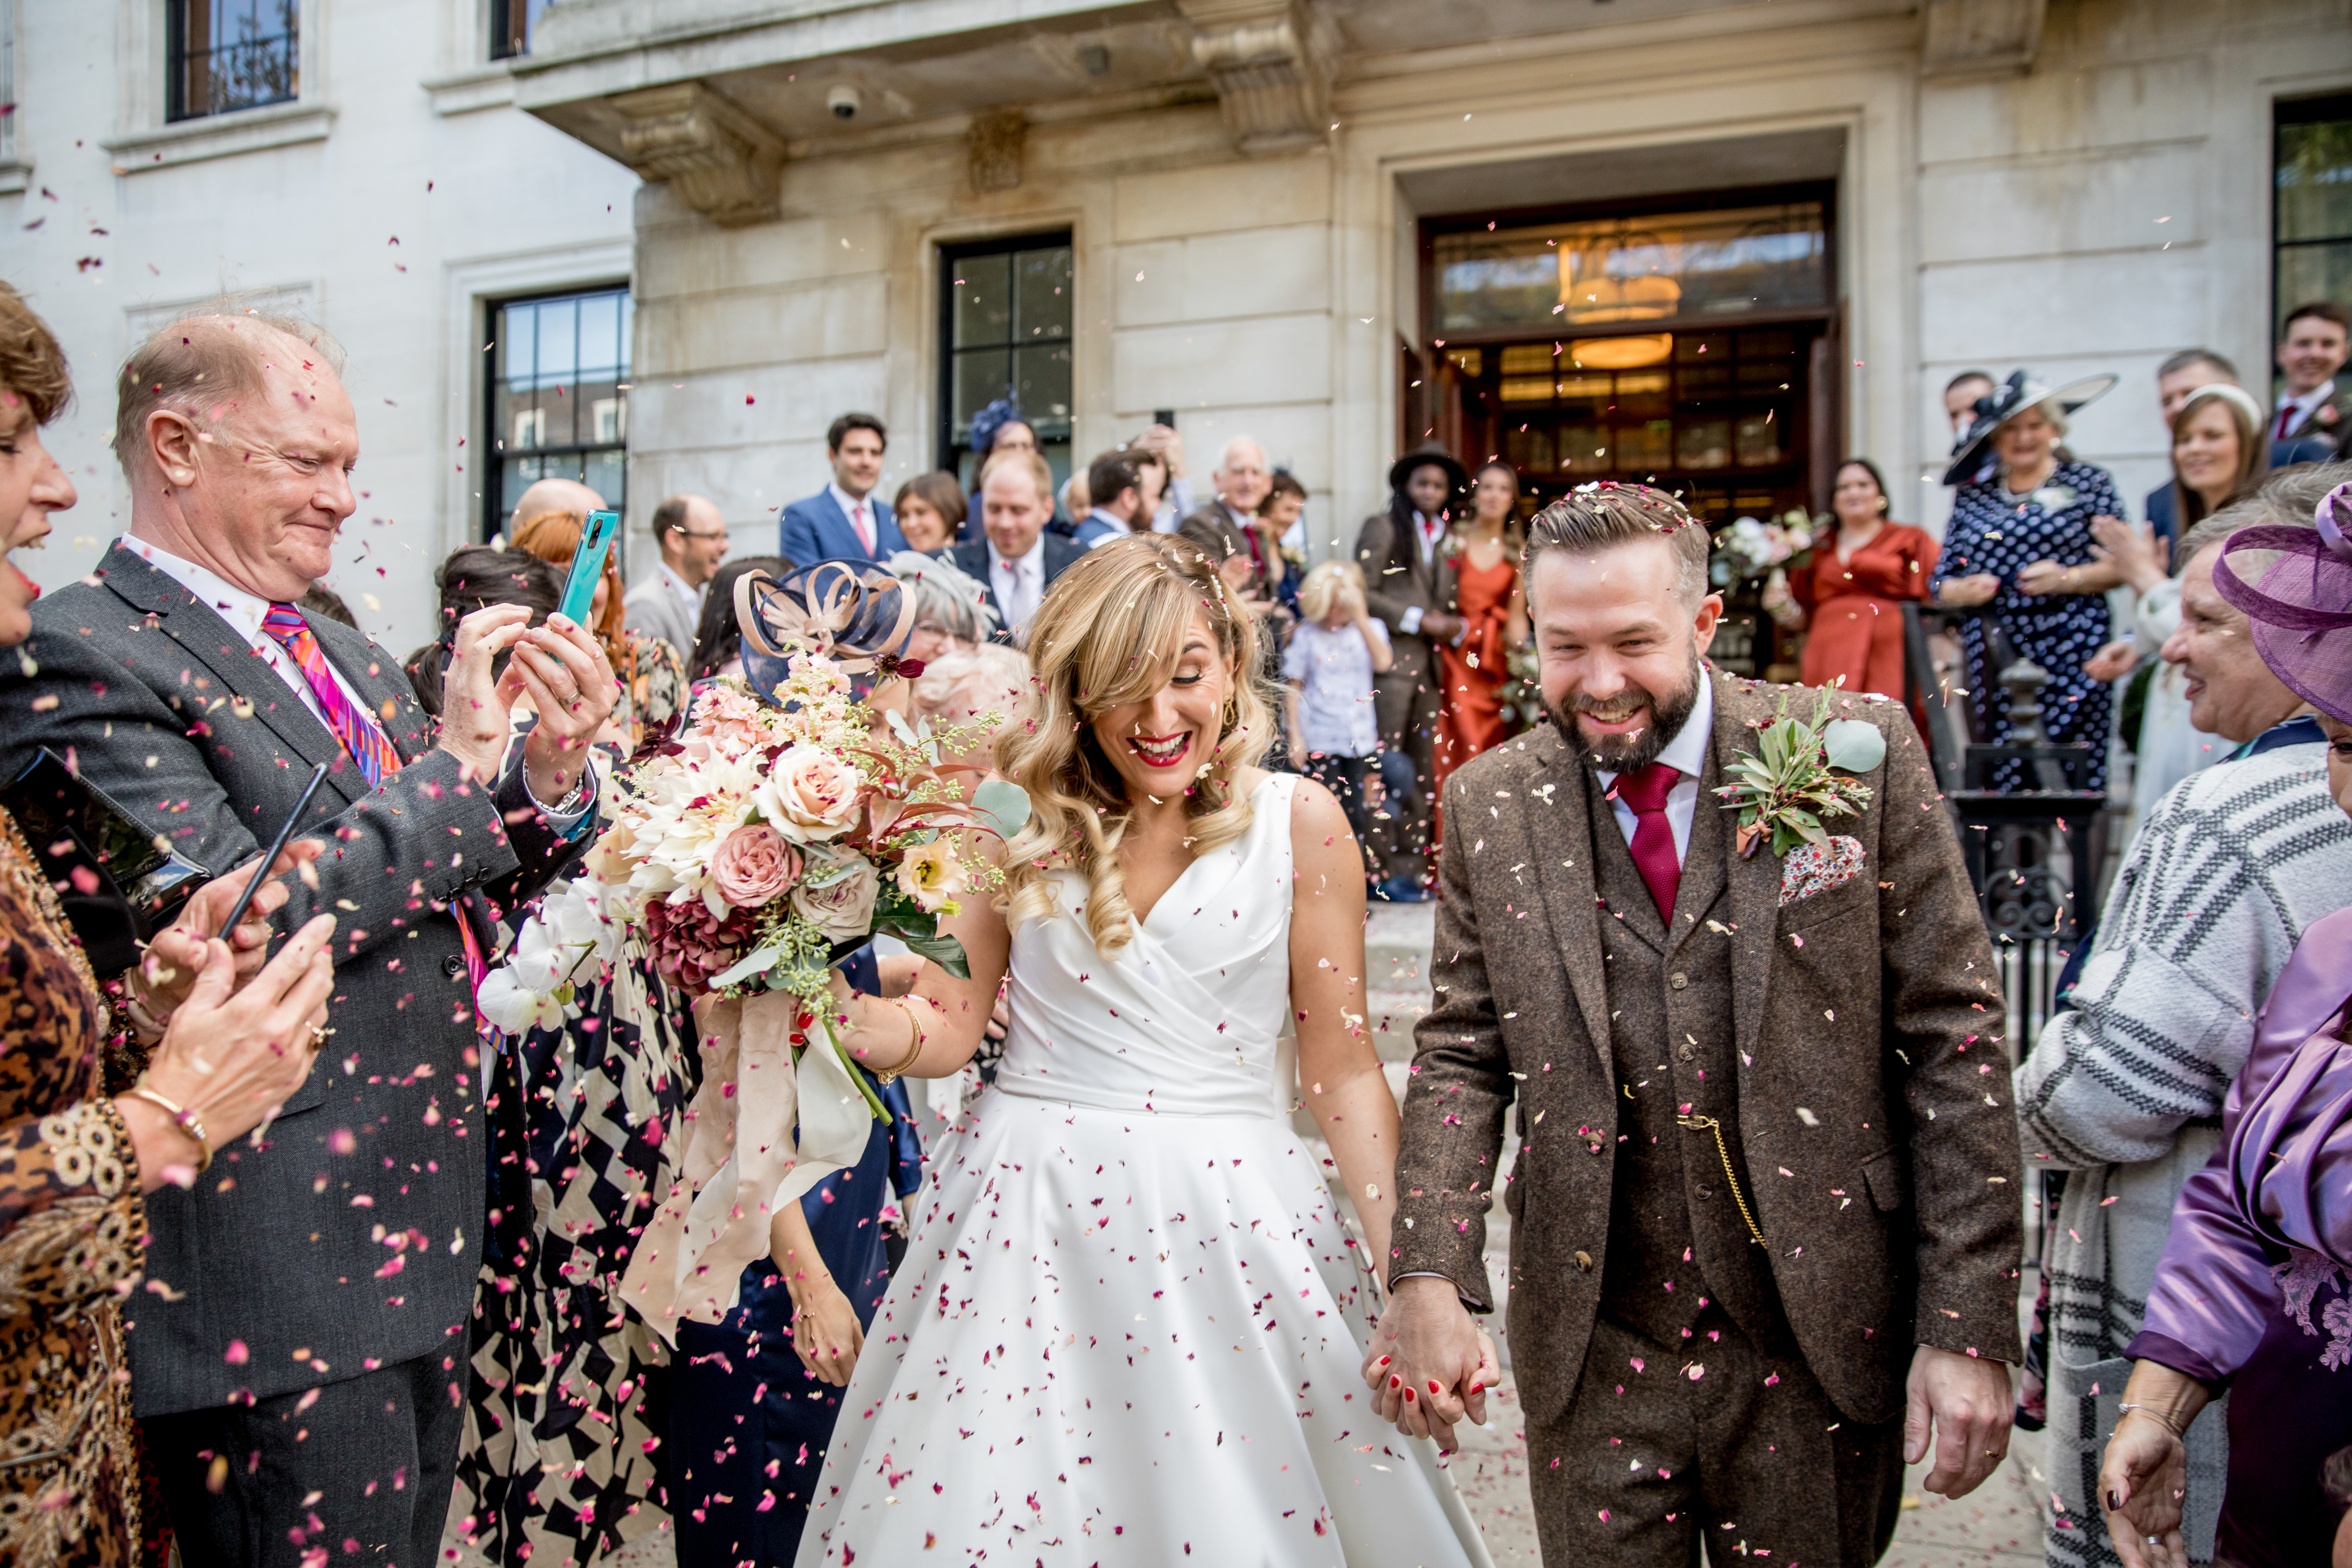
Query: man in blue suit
x,y
845,521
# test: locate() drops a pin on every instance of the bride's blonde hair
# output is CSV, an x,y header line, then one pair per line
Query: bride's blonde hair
x,y
1109,632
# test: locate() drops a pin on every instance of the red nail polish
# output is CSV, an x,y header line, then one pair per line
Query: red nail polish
x,y
1385,1360
1478,1388
1408,1396
1395,1381
1433,1389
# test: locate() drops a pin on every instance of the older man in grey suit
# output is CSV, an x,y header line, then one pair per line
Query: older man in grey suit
x,y
298,1358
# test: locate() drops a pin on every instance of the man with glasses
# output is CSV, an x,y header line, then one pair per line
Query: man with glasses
x,y
692,539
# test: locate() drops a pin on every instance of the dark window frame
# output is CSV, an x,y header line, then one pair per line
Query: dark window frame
x,y
492,464
508,40
948,445
2320,109
178,58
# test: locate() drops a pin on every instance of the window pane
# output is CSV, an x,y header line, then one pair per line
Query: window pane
x,y
984,301
607,473
2307,272
231,54
1758,441
981,378
1042,386
1663,269
1044,280
2315,182
559,341
1705,444
1584,448
600,333
1640,449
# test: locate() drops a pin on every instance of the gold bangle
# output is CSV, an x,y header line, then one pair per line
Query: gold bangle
x,y
186,1121
914,1047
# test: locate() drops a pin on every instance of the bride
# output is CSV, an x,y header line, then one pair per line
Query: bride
x,y
1122,1331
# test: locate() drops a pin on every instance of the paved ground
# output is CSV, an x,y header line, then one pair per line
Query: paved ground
x,y
1997,1525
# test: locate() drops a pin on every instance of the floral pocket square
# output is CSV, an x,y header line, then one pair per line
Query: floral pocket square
x,y
1812,868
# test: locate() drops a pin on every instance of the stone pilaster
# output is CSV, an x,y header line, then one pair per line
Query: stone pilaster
x,y
724,164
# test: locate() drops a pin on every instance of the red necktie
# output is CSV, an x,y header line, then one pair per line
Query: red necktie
x,y
2285,414
1645,790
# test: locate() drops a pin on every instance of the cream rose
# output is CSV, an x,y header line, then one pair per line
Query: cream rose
x,y
836,894
810,794
931,875
752,865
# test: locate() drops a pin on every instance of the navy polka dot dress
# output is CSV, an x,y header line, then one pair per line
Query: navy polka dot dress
x,y
1990,532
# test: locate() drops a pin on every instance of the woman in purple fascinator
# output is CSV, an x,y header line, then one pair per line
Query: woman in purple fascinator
x,y
2255,1292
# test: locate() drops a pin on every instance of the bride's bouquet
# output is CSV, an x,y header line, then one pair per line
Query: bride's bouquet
x,y
782,830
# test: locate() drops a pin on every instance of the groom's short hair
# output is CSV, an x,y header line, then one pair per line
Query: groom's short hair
x,y
1596,517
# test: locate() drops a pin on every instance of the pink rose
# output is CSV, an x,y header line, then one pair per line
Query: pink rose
x,y
810,794
754,864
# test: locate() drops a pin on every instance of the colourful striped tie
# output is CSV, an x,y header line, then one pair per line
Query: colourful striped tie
x,y
365,743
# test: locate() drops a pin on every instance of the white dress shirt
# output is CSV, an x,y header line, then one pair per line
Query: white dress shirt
x,y
686,593
859,510
244,611
1687,753
2294,411
1019,582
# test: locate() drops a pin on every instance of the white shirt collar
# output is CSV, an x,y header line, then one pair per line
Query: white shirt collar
x,y
849,503
239,608
679,586
2313,398
1687,753
1017,564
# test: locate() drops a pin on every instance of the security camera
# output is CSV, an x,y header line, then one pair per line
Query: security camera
x,y
843,99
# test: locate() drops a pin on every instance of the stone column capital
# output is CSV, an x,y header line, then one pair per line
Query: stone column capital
x,y
723,162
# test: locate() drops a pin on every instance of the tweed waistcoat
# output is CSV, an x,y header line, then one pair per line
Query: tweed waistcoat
x,y
1676,1238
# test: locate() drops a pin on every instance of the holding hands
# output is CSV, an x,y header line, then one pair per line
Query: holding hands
x,y
1429,1365
1976,588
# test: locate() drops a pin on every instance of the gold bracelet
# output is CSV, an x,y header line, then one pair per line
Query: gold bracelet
x,y
914,1047
187,1121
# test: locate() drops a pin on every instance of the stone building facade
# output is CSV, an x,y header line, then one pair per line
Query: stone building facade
x,y
1263,216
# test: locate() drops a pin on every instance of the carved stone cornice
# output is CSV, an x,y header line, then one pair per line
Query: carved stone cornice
x,y
1271,62
722,163
1981,37
993,148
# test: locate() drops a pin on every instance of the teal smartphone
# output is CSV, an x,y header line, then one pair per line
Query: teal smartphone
x,y
588,564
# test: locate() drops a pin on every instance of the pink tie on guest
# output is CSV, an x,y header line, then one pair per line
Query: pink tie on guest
x,y
365,743
865,527
1645,790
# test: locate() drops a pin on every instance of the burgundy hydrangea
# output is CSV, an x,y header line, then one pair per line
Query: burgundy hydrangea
x,y
689,945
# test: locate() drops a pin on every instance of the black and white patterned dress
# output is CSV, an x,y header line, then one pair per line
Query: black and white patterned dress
x,y
1993,530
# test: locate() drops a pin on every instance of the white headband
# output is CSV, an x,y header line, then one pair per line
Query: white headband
x,y
2236,397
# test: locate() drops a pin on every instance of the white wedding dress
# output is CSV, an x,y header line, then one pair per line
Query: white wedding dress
x,y
1122,1332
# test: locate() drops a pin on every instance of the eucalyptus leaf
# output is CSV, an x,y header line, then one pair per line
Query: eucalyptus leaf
x,y
751,963
1004,803
944,950
1854,745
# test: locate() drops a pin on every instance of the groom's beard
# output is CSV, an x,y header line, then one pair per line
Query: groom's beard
x,y
1669,712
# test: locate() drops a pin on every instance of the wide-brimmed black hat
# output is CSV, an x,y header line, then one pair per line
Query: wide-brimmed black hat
x,y
1430,455
1996,407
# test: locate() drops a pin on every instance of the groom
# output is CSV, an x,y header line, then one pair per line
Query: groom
x,y
1765,1215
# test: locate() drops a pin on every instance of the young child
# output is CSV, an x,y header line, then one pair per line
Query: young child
x,y
1329,665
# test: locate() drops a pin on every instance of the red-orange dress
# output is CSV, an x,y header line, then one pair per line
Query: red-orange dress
x,y
1854,608
1470,703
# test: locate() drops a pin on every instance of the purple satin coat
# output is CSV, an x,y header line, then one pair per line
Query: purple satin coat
x,y
2281,1180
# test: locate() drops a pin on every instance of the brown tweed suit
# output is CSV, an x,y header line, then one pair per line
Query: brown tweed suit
x,y
1867,1113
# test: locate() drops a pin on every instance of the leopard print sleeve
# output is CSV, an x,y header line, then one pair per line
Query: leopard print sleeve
x,y
71,1217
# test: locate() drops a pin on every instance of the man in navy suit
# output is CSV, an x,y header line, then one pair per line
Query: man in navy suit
x,y
1018,560
845,521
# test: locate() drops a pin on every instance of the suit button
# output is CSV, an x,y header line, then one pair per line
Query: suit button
x,y
1584,1261
1686,1051
1704,1193
454,966
1678,980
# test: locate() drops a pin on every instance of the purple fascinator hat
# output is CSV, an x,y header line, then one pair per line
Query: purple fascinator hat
x,y
2301,607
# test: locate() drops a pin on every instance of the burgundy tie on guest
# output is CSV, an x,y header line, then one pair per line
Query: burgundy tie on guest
x,y
1645,790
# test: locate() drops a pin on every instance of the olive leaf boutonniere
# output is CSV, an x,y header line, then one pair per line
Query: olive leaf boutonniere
x,y
1786,785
